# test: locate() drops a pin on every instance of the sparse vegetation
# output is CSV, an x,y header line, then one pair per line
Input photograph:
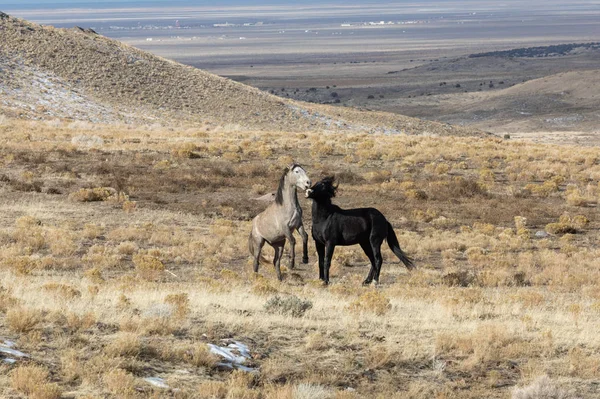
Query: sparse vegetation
x,y
101,296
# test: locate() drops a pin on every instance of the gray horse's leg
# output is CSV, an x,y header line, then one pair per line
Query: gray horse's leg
x,y
292,240
304,236
257,249
277,258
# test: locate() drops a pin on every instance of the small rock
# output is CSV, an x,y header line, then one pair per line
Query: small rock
x,y
541,234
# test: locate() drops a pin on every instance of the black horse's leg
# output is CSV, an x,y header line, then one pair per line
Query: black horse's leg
x,y
257,249
277,259
378,261
366,246
321,254
329,248
304,236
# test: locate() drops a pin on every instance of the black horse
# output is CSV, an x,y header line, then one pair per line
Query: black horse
x,y
332,225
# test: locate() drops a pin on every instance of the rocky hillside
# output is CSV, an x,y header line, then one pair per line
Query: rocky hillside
x,y
77,74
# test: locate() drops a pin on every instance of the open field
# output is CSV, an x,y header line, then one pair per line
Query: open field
x,y
123,253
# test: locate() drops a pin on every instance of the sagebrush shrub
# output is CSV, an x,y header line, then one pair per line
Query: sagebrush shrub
x,y
291,305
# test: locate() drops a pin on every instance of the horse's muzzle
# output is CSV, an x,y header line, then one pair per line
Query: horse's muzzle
x,y
307,193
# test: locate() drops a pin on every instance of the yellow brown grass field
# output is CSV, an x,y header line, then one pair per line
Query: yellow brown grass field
x,y
123,260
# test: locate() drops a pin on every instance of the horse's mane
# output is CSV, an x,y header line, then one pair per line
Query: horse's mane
x,y
279,195
330,188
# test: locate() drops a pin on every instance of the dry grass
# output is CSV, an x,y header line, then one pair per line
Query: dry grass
x,y
102,297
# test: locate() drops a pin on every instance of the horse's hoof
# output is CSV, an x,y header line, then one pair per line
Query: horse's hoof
x,y
325,283
305,260
366,282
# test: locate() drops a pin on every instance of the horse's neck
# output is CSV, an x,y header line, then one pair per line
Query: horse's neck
x,y
290,198
321,210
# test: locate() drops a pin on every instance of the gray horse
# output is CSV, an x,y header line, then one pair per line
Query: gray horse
x,y
278,222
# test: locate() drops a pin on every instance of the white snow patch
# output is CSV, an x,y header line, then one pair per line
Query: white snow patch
x,y
157,382
235,354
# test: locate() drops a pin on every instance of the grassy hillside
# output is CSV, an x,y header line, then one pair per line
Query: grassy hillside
x,y
78,74
123,254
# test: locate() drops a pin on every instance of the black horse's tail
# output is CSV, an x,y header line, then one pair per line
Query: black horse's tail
x,y
395,247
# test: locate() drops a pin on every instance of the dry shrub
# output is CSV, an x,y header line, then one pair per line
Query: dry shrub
x,y
263,287
23,320
94,275
459,278
127,248
77,322
240,385
458,187
148,267
576,198
70,366
316,342
201,356
542,190
560,228
380,357
129,206
7,301
371,301
22,265
124,345
378,176
582,364
120,383
290,305
541,388
259,189
580,221
62,290
416,195
187,150
529,299
92,194
29,234
320,149
310,391
488,343
181,304
32,380
92,231
212,390
61,242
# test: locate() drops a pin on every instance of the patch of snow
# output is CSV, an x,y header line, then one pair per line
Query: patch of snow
x,y
157,382
233,359
7,348
227,354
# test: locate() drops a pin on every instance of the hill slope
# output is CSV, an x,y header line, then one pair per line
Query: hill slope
x,y
559,102
78,74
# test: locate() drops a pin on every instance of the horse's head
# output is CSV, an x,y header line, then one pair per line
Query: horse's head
x,y
323,189
297,176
